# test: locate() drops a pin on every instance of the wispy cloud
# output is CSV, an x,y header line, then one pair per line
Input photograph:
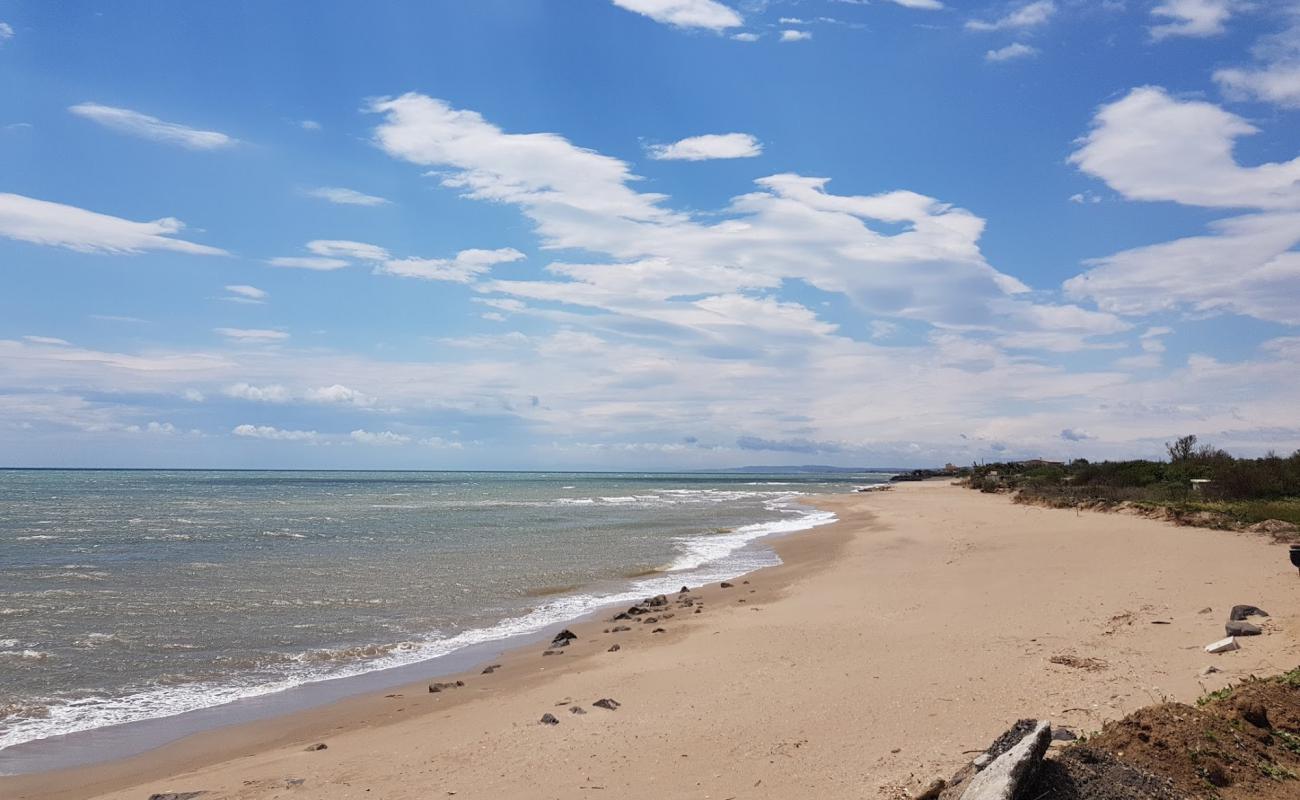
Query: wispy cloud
x,y
275,434
1196,18
6,32
54,224
709,146
465,267
1030,15
252,335
242,293
707,14
143,126
346,197
1011,52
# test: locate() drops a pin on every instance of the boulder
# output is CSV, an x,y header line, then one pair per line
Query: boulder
x,y
549,719
684,590
1239,613
563,638
1242,629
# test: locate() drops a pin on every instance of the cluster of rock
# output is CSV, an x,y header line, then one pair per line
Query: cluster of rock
x,y
654,609
1237,626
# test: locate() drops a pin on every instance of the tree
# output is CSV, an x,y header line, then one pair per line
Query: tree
x,y
1182,448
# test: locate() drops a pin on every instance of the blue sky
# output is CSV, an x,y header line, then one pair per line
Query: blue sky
x,y
645,233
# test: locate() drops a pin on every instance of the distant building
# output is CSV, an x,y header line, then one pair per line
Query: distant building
x,y
1040,462
951,469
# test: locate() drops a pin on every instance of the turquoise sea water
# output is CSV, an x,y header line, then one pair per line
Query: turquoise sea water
x,y
133,595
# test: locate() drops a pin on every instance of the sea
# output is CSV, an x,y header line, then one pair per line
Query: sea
x,y
141,594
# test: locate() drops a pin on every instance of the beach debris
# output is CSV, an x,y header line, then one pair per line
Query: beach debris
x,y
1242,629
489,669
176,795
620,628
607,702
684,590
312,748
1210,670
549,719
657,630
1064,735
1239,613
1006,768
698,610
726,585
577,710
1206,610
1079,662
563,638
1222,646
552,652
614,648
1161,622
649,620
434,688
294,783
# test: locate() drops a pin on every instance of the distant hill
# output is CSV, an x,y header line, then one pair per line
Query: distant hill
x,y
809,468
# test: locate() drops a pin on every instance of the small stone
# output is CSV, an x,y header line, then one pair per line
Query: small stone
x,y
726,585
1206,610
613,648
176,795
1239,613
649,620
488,670
1064,735
312,748
577,710
657,630
745,582
684,590
620,628
606,702
698,610
933,791
656,601
549,719
552,652
563,638
1210,670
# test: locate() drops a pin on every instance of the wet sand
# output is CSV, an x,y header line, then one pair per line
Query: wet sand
x,y
918,627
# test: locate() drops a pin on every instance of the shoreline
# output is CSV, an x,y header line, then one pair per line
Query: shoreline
x,y
888,642
236,725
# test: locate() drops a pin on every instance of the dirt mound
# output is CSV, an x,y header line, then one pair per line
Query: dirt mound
x,y
1241,742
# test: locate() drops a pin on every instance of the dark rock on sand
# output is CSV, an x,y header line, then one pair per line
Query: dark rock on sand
x,y
649,620
434,688
563,638
312,748
613,648
549,719
606,702
726,585
552,652
621,615
491,668
684,590
620,628
176,795
1239,613
932,791
1064,735
1242,629
656,601
657,630
698,610
577,710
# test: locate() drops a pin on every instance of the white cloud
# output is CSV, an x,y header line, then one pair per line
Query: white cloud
x,y
155,428
1197,18
708,14
381,438
746,37
465,267
144,126
1085,198
1011,52
271,393
118,318
46,340
308,262
1150,146
246,294
1029,15
340,395
795,36
1276,79
252,334
341,248
347,197
193,395
310,125
6,32
54,224
275,434
709,146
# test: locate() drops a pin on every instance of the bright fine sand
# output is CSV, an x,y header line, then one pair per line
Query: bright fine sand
x,y
917,628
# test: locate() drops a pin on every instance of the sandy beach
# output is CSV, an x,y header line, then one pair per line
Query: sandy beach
x,y
918,627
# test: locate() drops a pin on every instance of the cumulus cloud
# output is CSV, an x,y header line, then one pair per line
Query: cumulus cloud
x,y
1276,76
1149,145
1011,52
275,434
465,267
795,36
272,393
346,197
54,224
1029,15
707,14
143,126
339,394
709,146
1196,18
381,438
252,335
1073,435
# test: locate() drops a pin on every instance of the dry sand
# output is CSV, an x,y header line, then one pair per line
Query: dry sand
x,y
918,627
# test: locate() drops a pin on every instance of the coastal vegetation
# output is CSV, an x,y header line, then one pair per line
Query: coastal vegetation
x,y
1198,484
